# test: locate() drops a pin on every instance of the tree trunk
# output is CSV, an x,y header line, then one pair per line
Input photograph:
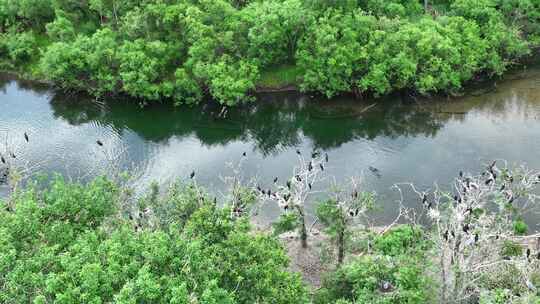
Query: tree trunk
x,y
303,229
341,246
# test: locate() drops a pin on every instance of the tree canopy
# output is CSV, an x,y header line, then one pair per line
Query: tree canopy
x,y
183,51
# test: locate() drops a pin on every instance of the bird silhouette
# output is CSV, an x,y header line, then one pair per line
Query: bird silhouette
x,y
326,157
26,137
310,166
99,142
192,175
3,159
12,155
298,178
309,185
298,152
321,166
289,184
244,154
275,180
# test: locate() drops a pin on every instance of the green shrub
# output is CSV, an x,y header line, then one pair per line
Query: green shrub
x,y
520,227
401,240
363,280
511,249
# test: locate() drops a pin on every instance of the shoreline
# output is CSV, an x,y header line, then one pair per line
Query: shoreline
x,y
474,87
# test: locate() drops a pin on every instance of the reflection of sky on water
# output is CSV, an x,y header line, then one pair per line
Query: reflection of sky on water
x,y
420,142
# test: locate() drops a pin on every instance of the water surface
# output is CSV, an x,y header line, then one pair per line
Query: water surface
x,y
423,142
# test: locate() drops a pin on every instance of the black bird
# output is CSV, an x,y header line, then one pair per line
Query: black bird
x,y
26,136
476,238
244,154
322,167
356,212
461,174
351,213
453,234
309,185
289,184
192,175
269,192
326,157
3,159
424,199
259,188
298,178
445,235
12,155
310,166
466,228
298,152
528,252
491,167
275,180
99,142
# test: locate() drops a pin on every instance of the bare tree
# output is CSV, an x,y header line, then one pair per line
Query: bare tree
x,y
292,196
472,224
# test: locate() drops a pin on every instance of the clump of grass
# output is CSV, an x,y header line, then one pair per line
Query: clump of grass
x,y
280,76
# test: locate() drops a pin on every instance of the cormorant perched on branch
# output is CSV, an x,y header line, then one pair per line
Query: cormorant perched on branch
x,y
26,137
192,175
99,142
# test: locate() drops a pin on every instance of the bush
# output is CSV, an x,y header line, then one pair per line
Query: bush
x,y
401,240
376,280
21,47
520,227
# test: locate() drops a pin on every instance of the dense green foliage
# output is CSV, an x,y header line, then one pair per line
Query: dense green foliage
x,y
393,273
69,243
186,50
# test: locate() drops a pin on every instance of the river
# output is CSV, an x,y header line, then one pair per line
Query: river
x,y
417,141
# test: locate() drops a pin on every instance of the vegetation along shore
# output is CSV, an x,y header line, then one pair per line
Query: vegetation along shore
x,y
184,51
